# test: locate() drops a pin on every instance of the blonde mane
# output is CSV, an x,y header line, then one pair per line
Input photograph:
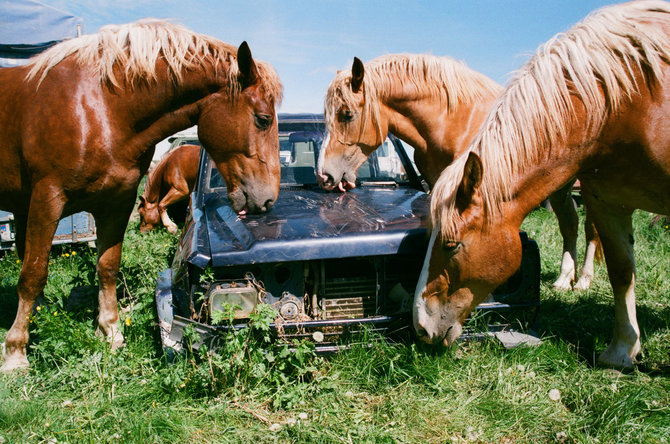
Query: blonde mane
x,y
138,46
602,54
422,74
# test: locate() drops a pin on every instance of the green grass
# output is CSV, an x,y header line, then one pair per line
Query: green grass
x,y
77,391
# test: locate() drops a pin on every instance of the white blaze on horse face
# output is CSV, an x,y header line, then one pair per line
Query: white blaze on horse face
x,y
322,155
422,320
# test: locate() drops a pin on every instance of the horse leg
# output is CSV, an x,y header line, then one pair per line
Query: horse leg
x,y
46,208
20,222
110,229
568,222
592,246
615,228
172,196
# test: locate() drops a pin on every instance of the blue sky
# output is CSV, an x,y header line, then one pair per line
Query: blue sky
x,y
308,41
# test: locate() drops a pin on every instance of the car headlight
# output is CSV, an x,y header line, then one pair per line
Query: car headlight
x,y
241,294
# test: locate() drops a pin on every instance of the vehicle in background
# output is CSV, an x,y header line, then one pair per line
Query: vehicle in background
x,y
79,227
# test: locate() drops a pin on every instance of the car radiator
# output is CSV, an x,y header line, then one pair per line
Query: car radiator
x,y
350,298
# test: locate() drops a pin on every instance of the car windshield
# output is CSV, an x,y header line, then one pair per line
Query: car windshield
x,y
299,145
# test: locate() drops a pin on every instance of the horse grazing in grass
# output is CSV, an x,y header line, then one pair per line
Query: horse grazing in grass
x,y
437,105
79,124
170,182
593,103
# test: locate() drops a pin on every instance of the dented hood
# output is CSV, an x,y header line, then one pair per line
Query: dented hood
x,y
306,224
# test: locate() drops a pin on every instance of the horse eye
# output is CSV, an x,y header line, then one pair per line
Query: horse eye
x,y
263,121
346,116
451,247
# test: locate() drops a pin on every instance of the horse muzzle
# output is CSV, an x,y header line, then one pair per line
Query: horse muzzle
x,y
257,199
328,183
429,330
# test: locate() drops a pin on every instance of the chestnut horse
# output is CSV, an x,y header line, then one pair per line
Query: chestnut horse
x,y
437,105
170,182
591,103
79,124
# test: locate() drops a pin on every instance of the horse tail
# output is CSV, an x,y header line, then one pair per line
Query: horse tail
x,y
600,254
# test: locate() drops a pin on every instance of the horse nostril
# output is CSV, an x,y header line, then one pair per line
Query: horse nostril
x,y
420,331
268,204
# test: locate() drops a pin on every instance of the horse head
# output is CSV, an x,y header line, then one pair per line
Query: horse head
x,y
465,264
150,217
353,133
245,150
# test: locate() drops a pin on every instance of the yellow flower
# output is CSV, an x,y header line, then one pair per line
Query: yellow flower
x,y
127,321
74,253
18,261
55,313
66,254
38,308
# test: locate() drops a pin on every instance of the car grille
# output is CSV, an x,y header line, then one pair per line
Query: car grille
x,y
350,298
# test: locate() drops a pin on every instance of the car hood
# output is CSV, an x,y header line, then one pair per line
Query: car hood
x,y
309,224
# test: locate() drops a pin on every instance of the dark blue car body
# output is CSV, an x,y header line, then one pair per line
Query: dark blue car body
x,y
327,261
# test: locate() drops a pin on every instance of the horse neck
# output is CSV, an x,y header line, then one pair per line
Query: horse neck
x,y
548,174
153,186
536,186
162,108
438,134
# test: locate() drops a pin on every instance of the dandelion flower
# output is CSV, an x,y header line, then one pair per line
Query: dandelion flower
x,y
38,308
127,321
554,394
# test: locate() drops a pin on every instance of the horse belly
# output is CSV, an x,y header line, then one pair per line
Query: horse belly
x,y
647,192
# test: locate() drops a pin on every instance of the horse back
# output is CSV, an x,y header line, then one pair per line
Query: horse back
x,y
181,168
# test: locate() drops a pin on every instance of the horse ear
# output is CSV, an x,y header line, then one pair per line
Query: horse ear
x,y
357,73
472,179
248,70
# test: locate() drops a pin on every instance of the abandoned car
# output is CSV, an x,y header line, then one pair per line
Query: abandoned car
x,y
328,262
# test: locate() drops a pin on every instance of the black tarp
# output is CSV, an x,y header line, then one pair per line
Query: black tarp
x,y
28,27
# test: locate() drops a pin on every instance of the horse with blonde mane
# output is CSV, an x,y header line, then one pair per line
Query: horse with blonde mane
x,y
79,124
437,105
170,182
593,103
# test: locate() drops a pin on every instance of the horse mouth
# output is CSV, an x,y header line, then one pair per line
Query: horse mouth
x,y
327,183
446,339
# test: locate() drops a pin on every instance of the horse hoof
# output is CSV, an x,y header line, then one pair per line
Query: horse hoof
x,y
116,344
172,229
14,362
613,359
562,285
583,284
115,339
